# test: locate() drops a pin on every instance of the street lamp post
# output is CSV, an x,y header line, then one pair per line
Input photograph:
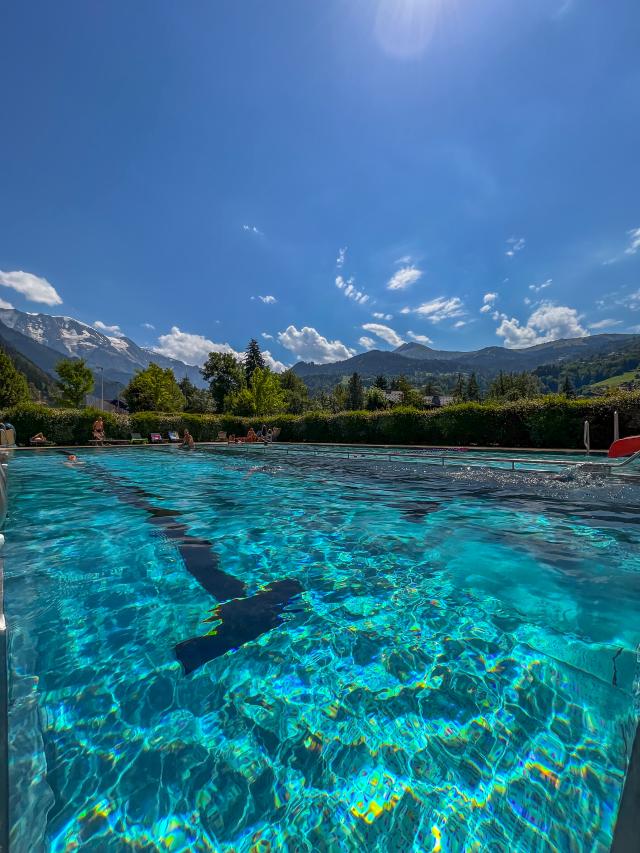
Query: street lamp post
x,y
101,369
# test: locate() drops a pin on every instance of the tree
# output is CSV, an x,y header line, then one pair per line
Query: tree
x,y
338,399
154,390
459,392
515,386
263,396
225,375
13,384
567,387
253,359
355,393
376,400
381,382
75,380
473,391
296,393
198,400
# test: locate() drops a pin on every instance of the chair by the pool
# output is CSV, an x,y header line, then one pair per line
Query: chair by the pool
x,y
155,438
275,433
136,438
7,436
222,436
173,436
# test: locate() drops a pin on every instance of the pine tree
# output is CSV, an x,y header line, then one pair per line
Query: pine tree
x,y
381,382
355,393
567,386
473,392
459,390
253,359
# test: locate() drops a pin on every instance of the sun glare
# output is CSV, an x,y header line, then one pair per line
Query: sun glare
x,y
404,28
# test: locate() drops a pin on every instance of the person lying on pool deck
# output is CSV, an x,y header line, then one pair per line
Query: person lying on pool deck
x,y
187,440
38,438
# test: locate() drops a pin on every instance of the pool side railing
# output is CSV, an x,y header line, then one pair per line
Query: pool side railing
x,y
4,685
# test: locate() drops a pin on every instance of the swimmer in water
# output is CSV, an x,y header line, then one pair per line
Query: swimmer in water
x,y
72,460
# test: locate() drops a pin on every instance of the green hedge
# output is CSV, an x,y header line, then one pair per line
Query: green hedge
x,y
552,421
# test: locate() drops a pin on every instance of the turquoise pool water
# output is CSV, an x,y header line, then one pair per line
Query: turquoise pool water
x,y
419,660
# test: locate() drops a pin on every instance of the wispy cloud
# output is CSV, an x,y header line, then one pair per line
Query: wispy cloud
x,y
516,244
548,322
605,324
6,305
251,229
309,345
148,326
487,302
459,324
536,288
441,308
385,333
403,278
420,339
342,255
190,348
114,331
380,316
32,287
349,289
267,336
634,241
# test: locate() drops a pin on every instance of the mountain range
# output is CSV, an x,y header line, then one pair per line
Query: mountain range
x,y
419,363
44,339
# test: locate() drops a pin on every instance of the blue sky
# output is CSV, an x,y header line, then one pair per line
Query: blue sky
x,y
335,176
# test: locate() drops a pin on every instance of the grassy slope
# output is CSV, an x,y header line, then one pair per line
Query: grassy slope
x,y
615,381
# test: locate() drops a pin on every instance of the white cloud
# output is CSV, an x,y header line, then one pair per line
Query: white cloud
x,y
405,276
4,304
268,300
405,310
384,333
536,288
252,229
634,241
309,345
488,299
380,316
342,254
459,324
404,260
267,336
32,287
516,244
349,290
548,322
605,324
192,349
441,309
148,326
274,364
631,301
367,343
421,339
116,331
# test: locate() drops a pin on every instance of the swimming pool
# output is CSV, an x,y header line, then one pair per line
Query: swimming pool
x,y
424,659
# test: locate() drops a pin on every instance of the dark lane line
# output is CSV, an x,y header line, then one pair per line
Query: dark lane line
x,y
242,618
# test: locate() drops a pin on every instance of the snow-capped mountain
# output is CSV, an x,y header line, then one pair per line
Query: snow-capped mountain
x,y
120,358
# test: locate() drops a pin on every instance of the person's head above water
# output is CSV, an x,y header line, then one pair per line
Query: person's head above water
x,y
72,457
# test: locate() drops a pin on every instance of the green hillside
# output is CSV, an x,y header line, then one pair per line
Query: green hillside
x,y
41,386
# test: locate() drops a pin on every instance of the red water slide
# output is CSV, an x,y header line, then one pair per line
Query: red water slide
x,y
624,446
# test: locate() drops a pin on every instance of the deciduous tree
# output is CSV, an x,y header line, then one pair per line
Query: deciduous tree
x,y
154,390
76,380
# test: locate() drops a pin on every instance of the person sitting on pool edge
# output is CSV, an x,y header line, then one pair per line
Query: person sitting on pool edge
x,y
187,440
251,435
98,430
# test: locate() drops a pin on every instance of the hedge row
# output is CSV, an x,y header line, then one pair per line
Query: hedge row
x,y
552,421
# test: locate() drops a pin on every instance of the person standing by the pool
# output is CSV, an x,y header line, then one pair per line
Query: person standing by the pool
x,y
187,440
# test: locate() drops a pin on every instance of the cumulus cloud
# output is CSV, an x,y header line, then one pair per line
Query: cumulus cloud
x,y
441,309
367,343
605,324
488,299
252,229
190,348
404,277
349,290
115,331
274,364
516,244
309,345
385,333
342,254
548,322
634,241
405,310
421,339
536,288
4,304
380,316
32,287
